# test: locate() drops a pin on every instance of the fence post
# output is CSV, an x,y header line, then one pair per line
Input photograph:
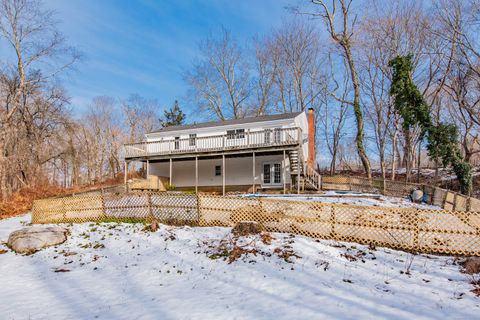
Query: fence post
x,y
104,211
444,200
333,233
416,222
149,203
197,199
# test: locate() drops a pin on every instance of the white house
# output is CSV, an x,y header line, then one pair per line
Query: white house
x,y
265,152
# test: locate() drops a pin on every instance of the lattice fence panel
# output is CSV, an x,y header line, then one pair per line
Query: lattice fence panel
x,y
176,208
420,230
446,199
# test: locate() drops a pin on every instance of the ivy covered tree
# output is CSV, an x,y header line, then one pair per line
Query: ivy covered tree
x,y
442,137
173,117
408,103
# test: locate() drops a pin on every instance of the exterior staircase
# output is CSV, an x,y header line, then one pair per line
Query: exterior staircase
x,y
310,179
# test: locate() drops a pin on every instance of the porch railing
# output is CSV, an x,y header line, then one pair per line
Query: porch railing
x,y
238,140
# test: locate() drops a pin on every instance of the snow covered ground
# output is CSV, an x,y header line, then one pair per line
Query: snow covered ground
x,y
119,271
353,198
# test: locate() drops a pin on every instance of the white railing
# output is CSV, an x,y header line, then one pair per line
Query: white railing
x,y
313,177
244,140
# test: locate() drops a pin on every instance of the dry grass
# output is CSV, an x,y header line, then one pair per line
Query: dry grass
x,y
22,200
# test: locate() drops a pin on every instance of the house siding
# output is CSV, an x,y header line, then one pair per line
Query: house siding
x,y
238,171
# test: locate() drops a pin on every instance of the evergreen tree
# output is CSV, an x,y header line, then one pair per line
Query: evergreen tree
x,y
442,138
173,117
408,101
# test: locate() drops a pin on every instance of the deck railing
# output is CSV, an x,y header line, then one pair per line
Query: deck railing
x,y
239,140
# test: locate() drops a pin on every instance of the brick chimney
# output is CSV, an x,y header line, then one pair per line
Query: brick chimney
x,y
311,138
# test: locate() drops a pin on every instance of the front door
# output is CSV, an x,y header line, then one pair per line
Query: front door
x,y
272,173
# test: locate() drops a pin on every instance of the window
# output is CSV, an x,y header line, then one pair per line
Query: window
x,y
192,141
218,170
266,173
272,173
177,143
267,134
230,134
277,135
240,133
236,134
277,175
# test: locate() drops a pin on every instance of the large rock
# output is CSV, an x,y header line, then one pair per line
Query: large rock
x,y
31,239
417,196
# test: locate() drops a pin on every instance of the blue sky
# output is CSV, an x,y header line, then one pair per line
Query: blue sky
x,y
144,46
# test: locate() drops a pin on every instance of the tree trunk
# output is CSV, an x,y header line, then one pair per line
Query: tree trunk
x,y
358,113
419,159
394,155
333,163
407,154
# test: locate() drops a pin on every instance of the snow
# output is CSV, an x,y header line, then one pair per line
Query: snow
x,y
352,198
120,271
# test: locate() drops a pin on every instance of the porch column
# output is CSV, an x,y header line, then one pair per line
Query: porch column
x,y
298,173
170,176
253,172
284,175
125,176
196,174
223,174
148,174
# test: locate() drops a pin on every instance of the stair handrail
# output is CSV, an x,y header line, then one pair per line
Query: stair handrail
x,y
313,176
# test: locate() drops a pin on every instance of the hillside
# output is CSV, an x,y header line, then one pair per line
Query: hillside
x,y
121,271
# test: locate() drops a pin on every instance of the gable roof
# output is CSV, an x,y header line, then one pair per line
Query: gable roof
x,y
272,117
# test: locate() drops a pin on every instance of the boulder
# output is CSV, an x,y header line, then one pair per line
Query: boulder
x,y
31,239
417,196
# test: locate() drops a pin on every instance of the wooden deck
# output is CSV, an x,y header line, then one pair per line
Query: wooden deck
x,y
249,141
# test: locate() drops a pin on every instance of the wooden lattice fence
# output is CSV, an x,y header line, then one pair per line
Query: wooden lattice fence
x,y
446,199
412,229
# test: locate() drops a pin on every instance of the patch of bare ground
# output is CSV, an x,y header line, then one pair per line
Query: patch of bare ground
x,y
246,240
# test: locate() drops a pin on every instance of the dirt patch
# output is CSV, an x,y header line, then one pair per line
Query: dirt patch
x,y
470,265
245,228
234,248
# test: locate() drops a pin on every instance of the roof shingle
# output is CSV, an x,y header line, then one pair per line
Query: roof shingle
x,y
272,117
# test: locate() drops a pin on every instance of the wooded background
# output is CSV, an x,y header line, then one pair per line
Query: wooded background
x,y
332,56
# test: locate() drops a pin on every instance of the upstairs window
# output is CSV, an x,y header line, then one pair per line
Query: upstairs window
x,y
177,143
240,133
266,136
277,135
236,134
192,141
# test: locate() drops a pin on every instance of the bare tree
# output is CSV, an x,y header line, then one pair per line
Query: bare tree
x,y
266,66
219,80
296,53
333,118
104,133
342,34
140,116
29,94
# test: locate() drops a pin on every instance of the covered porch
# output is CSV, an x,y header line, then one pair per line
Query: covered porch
x,y
222,172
